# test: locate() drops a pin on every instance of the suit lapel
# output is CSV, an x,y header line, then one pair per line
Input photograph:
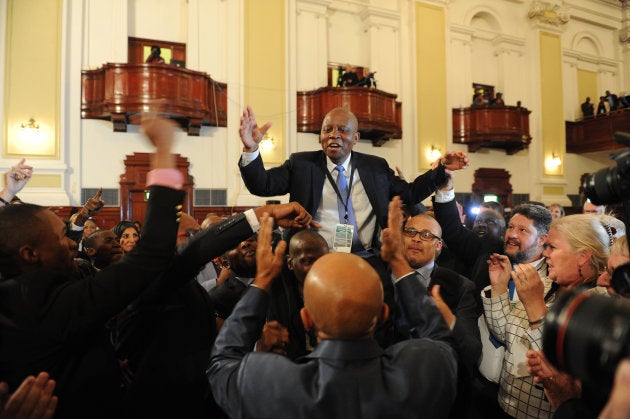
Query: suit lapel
x,y
318,177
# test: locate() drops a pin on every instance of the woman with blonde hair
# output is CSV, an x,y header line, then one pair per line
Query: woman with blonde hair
x,y
576,253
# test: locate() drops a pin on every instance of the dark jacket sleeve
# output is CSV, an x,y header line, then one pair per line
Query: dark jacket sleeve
x,y
261,182
460,240
462,303
424,318
76,306
196,253
422,187
237,338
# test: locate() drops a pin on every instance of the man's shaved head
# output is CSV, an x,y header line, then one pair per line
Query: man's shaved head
x,y
343,298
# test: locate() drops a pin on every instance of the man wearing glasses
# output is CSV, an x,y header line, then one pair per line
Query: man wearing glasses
x,y
452,293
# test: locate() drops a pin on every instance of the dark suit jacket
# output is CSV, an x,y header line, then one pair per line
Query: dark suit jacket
x,y
458,293
167,334
304,174
55,323
340,379
467,246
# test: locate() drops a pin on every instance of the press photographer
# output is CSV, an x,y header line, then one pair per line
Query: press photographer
x,y
588,335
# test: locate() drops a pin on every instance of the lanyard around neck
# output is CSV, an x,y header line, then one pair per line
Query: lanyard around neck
x,y
334,185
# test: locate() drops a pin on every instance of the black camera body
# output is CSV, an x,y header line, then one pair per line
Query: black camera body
x,y
612,186
586,334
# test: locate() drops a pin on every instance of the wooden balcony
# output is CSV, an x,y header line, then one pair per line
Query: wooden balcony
x,y
504,127
378,112
596,134
117,91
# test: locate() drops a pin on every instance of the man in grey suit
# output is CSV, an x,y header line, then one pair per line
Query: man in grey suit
x,y
348,375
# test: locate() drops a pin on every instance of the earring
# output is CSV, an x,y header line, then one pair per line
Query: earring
x,y
580,272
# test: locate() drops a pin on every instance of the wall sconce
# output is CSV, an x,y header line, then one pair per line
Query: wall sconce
x,y
552,163
30,134
267,144
30,126
433,153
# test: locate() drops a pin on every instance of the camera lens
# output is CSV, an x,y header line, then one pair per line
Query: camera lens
x,y
620,280
587,335
604,186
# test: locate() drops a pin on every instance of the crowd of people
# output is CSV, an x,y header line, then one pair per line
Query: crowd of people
x,y
350,300
609,102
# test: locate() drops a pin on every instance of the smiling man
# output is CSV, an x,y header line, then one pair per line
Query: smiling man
x,y
347,192
310,178
103,248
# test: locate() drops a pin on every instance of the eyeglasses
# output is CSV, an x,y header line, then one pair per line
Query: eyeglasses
x,y
188,233
424,234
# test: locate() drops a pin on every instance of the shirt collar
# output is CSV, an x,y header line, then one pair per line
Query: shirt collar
x,y
331,166
425,272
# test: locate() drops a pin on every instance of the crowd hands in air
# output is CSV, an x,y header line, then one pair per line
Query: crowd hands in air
x,y
425,289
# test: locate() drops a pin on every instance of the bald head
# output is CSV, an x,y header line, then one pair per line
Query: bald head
x,y
188,227
343,298
305,248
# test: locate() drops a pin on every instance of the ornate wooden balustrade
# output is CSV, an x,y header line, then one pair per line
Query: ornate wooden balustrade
x,y
505,127
117,91
378,112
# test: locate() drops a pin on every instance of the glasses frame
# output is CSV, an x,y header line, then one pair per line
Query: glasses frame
x,y
425,235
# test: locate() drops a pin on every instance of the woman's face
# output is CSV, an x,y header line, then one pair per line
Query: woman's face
x,y
128,239
562,261
556,212
88,228
614,261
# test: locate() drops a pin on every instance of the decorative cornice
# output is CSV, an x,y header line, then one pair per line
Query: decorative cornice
x,y
547,13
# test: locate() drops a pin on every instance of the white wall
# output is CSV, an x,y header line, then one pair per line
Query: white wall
x,y
495,48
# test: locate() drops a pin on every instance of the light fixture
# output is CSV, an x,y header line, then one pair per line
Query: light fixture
x,y
30,125
553,162
267,144
433,153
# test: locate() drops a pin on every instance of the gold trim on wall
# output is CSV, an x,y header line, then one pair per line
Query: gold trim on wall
x,y
45,181
32,83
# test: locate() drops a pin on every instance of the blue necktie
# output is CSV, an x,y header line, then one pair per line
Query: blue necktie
x,y
342,185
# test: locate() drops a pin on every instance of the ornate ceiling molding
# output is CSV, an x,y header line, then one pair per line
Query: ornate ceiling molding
x,y
548,13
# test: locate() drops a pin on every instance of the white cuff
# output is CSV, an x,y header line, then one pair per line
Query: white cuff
x,y
442,197
74,227
247,158
250,215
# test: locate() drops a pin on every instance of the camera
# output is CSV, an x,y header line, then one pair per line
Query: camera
x,y
587,335
612,186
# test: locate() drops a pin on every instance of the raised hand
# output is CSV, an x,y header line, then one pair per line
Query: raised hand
x,y
289,215
274,338
530,290
268,263
161,132
15,179
392,247
455,160
91,207
499,268
251,134
32,400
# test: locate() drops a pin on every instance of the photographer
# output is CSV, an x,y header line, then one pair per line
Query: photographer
x,y
563,390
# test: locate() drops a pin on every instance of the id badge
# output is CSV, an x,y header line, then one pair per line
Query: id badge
x,y
343,238
519,358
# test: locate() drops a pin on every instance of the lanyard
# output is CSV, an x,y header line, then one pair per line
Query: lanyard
x,y
334,185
